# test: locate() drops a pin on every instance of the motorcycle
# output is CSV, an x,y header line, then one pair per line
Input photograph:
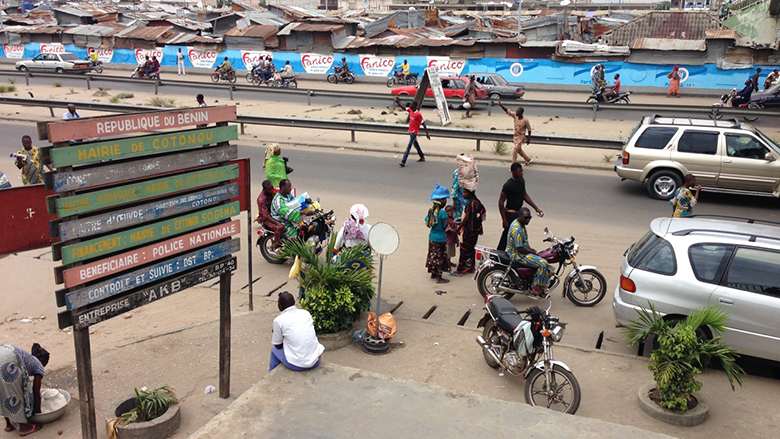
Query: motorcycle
x,y
314,230
285,82
621,98
96,66
229,76
498,275
136,73
333,78
524,347
398,78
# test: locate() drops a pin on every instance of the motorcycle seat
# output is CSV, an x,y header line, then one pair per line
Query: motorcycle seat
x,y
499,306
509,322
521,270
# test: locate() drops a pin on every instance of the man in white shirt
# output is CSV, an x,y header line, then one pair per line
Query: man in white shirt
x,y
71,113
180,61
294,341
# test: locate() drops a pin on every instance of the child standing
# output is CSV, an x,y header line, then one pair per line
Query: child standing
x,y
684,200
451,232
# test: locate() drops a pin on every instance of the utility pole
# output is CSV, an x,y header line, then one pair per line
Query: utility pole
x,y
519,10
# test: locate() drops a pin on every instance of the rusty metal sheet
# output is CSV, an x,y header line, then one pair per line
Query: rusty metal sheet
x,y
667,44
24,218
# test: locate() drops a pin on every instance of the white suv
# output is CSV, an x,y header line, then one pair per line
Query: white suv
x,y
683,264
723,155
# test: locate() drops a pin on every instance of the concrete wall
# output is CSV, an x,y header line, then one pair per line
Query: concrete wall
x,y
756,24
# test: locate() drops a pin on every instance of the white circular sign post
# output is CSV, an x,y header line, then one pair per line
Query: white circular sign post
x,y
383,239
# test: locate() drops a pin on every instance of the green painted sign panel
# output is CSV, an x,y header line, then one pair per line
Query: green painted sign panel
x,y
140,191
150,233
111,149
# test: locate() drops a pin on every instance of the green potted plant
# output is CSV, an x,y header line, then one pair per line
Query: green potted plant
x,y
335,291
151,414
684,349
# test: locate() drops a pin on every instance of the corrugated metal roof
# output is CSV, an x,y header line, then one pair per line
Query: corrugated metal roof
x,y
421,33
182,38
399,41
678,25
143,33
295,11
723,34
72,11
44,29
92,30
253,31
668,44
299,26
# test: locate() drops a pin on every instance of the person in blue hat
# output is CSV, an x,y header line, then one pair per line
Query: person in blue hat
x,y
437,261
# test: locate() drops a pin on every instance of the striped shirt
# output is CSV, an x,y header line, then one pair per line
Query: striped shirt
x,y
32,364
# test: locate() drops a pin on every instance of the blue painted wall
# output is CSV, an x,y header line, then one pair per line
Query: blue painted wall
x,y
538,71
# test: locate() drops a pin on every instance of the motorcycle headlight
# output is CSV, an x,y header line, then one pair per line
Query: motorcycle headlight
x,y
575,249
556,334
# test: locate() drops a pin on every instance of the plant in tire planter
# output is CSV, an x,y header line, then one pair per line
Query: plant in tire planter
x,y
335,291
675,363
148,405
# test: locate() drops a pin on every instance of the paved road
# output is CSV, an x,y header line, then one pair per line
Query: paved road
x,y
608,112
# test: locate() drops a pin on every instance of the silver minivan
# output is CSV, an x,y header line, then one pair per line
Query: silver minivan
x,y
686,263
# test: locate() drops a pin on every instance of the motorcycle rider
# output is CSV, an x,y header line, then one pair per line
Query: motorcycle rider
x,y
743,96
225,67
145,67
596,78
93,56
773,76
520,252
406,71
287,71
264,213
355,229
155,67
344,69
280,211
613,90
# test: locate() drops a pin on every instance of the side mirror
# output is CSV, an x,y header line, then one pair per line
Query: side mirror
x,y
546,231
769,157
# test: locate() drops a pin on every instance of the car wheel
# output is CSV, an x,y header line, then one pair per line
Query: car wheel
x,y
663,184
59,70
22,68
495,96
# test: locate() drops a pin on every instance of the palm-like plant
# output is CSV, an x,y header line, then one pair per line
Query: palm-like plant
x,y
675,363
336,292
150,404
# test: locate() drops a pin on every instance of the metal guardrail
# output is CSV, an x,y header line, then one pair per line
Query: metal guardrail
x,y
374,97
341,125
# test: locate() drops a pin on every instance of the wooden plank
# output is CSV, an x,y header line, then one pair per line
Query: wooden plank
x,y
103,126
115,196
73,299
142,168
224,334
133,216
124,261
86,317
84,377
130,147
143,235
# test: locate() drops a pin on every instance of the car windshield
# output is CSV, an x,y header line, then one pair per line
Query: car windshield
x,y
768,141
69,57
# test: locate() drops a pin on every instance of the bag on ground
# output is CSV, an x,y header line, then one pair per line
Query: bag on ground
x,y
386,325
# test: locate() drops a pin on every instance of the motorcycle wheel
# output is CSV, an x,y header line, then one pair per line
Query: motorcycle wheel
x,y
623,100
250,78
485,283
99,68
232,78
591,100
589,294
391,82
349,79
134,75
292,84
266,244
215,77
332,78
566,395
411,80
489,334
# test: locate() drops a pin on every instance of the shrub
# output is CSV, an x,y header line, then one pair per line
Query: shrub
x,y
500,148
150,404
159,101
11,81
57,84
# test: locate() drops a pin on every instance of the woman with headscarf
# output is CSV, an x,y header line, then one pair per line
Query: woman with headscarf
x,y
355,229
674,82
19,398
275,166
437,261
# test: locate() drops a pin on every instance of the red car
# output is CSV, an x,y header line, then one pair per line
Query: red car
x,y
454,87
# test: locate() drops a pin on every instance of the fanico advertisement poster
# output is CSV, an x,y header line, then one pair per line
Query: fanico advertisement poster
x,y
251,58
446,66
204,59
52,48
316,63
105,55
13,50
141,54
373,65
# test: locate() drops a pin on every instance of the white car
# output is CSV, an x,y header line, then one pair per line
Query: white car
x,y
55,62
686,263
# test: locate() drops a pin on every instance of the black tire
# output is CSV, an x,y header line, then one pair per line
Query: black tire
x,y
495,96
589,294
489,334
624,100
266,249
591,100
59,70
391,82
349,79
485,281
412,80
22,68
332,78
215,77
134,75
99,68
292,84
232,77
663,184
250,78
567,395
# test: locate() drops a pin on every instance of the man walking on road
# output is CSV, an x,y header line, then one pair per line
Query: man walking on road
x,y
180,61
755,79
522,125
415,121
510,201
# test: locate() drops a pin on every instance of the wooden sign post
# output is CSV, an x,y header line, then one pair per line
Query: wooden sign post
x,y
140,219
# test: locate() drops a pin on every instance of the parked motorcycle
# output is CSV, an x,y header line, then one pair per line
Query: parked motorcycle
x,y
136,73
497,274
286,82
398,78
524,347
229,76
314,229
333,78
621,98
